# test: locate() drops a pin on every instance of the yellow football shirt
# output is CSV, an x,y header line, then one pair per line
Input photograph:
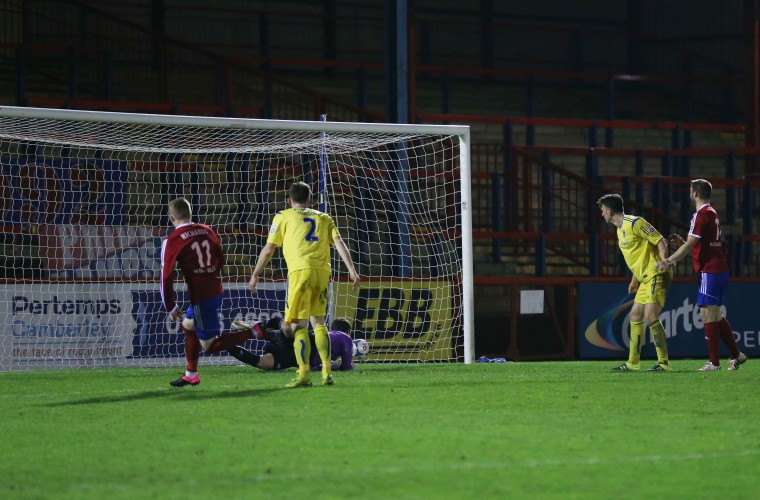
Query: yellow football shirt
x,y
638,240
305,236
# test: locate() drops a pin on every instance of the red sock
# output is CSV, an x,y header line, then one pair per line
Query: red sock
x,y
192,349
712,338
727,335
229,340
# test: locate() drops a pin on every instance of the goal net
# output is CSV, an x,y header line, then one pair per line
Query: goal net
x,y
84,201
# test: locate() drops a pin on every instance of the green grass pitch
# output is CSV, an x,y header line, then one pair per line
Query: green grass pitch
x,y
523,430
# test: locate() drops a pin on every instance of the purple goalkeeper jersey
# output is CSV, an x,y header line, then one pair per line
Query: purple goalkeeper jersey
x,y
341,346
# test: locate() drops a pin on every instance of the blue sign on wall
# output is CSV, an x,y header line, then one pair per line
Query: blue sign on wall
x,y
604,317
157,336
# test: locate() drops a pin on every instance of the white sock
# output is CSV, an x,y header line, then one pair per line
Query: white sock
x,y
190,374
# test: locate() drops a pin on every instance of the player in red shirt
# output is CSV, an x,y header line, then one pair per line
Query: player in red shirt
x,y
198,251
710,264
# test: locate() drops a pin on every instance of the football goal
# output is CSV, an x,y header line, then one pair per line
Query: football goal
x,y
84,201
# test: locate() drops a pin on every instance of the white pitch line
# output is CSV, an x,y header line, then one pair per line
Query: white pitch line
x,y
526,464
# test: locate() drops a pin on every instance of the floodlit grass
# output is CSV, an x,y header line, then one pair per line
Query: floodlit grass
x,y
524,430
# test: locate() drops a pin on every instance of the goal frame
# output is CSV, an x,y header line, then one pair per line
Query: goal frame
x,y
462,132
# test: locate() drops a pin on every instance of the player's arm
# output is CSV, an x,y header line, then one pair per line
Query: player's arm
x,y
342,352
346,361
217,242
662,249
342,249
264,257
633,285
168,259
683,250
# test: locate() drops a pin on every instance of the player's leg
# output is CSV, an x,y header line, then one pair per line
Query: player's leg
x,y
254,330
288,329
637,334
207,323
302,351
267,362
281,355
322,341
296,319
245,356
192,352
227,341
276,354
273,357
711,315
652,318
319,282
709,300
735,357
210,328
652,309
727,336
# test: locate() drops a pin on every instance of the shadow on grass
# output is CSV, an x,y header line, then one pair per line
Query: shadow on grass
x,y
176,394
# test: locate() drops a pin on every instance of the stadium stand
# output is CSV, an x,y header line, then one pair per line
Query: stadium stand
x,y
550,132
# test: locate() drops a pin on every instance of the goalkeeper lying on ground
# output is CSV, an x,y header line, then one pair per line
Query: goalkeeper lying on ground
x,y
278,353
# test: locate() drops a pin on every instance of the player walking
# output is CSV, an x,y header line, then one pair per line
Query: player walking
x,y
640,244
709,260
305,235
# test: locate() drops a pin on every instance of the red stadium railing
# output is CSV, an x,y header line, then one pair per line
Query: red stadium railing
x,y
99,42
144,107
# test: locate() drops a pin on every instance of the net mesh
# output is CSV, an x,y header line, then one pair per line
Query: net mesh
x,y
84,214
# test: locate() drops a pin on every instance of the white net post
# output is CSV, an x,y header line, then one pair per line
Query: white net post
x,y
468,279
84,202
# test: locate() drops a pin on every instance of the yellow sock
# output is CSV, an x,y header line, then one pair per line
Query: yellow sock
x,y
658,335
302,347
322,339
634,351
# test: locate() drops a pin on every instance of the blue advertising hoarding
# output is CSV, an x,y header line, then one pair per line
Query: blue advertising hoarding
x,y
155,335
55,325
604,318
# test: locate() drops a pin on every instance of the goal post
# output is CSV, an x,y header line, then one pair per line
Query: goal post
x,y
84,197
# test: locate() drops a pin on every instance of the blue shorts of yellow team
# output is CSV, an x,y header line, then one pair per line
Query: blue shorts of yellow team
x,y
307,294
206,317
655,291
713,288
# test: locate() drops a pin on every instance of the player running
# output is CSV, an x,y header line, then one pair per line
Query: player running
x,y
198,251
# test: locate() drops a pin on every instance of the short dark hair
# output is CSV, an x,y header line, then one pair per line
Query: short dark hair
x,y
180,208
702,187
612,201
300,192
341,325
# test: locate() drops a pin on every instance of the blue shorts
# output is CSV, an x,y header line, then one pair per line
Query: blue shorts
x,y
206,317
712,289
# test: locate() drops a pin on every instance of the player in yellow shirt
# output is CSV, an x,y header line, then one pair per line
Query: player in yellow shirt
x,y
305,236
642,247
